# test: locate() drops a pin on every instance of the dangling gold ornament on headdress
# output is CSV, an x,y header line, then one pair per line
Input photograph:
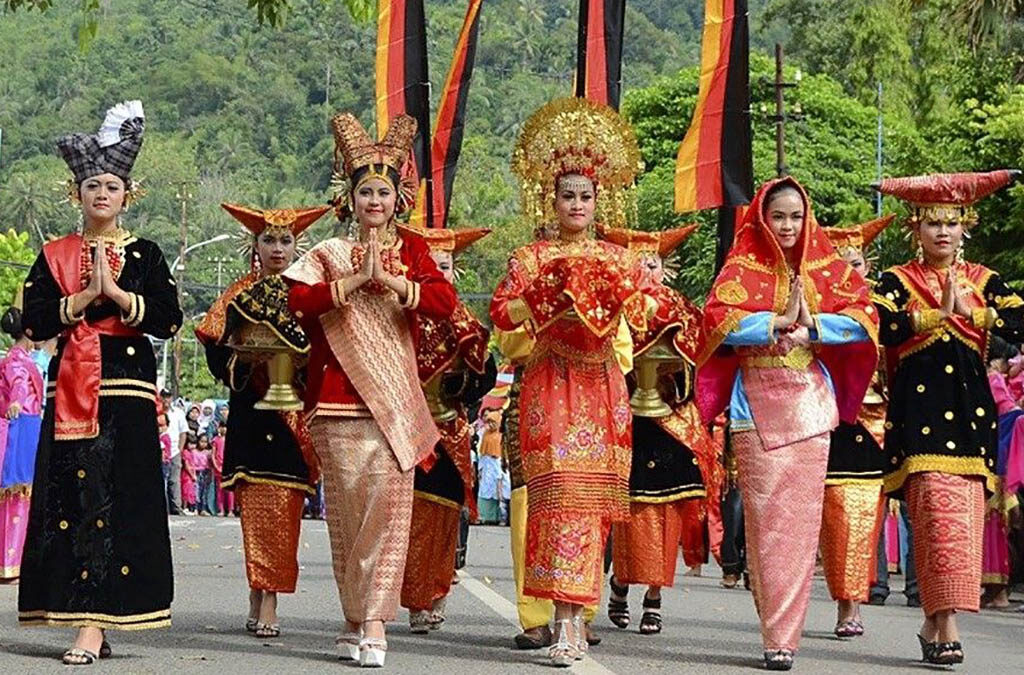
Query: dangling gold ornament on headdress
x,y
577,136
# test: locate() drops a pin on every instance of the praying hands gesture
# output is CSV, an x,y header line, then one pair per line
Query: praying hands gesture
x,y
101,284
952,302
797,312
372,269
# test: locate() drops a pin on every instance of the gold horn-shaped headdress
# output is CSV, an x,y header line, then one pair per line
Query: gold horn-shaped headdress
x,y
358,158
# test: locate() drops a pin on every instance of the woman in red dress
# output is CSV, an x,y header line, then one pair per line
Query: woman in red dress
x,y
574,294
357,299
790,348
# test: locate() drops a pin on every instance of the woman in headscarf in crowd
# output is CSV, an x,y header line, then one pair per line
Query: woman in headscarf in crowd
x,y
21,401
268,461
790,349
854,505
456,371
192,420
937,312
672,451
207,415
357,298
577,161
97,552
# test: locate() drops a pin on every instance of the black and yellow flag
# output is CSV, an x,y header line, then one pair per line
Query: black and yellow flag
x,y
599,51
403,85
451,117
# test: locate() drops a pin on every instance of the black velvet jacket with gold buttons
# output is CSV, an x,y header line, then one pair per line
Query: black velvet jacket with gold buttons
x,y
941,413
128,361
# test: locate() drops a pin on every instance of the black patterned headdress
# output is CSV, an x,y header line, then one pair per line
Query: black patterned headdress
x,y
112,149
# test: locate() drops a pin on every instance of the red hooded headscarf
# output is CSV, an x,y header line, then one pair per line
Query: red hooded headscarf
x,y
756,278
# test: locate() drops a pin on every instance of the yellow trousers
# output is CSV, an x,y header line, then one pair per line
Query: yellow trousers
x,y
533,612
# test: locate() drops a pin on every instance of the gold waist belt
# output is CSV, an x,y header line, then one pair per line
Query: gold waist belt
x,y
799,358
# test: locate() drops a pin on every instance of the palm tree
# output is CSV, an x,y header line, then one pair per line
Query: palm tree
x,y
29,203
982,18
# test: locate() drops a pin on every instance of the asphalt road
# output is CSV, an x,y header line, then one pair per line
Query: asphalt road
x,y
707,629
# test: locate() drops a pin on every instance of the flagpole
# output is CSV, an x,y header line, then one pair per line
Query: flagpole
x,y
878,153
724,235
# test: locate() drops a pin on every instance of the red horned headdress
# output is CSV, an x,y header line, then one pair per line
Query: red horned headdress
x,y
857,237
946,196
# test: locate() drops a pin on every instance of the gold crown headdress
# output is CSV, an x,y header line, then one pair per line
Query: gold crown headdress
x,y
357,158
577,136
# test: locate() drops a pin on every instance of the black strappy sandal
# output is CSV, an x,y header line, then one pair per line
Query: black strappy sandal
x,y
76,656
949,653
618,604
268,630
849,628
105,651
941,653
781,659
650,622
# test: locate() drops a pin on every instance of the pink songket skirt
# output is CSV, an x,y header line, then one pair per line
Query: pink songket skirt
x,y
782,490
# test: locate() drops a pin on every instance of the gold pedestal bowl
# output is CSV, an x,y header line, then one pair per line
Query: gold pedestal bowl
x,y
646,400
257,342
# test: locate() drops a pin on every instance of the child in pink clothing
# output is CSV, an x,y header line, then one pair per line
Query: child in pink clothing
x,y
203,463
21,399
995,566
188,477
225,498
1015,378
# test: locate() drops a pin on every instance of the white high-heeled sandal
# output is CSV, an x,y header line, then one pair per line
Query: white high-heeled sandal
x,y
563,653
372,652
347,645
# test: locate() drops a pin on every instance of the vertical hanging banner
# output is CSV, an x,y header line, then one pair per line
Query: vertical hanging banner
x,y
451,117
403,84
714,166
599,51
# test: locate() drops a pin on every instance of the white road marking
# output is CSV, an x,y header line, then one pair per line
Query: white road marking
x,y
506,610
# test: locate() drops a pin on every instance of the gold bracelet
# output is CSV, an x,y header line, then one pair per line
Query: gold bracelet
x,y
984,317
924,321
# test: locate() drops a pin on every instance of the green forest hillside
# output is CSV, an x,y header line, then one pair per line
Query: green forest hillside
x,y
238,111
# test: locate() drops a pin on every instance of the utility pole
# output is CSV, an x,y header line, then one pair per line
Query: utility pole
x,y
327,88
781,117
220,268
183,196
